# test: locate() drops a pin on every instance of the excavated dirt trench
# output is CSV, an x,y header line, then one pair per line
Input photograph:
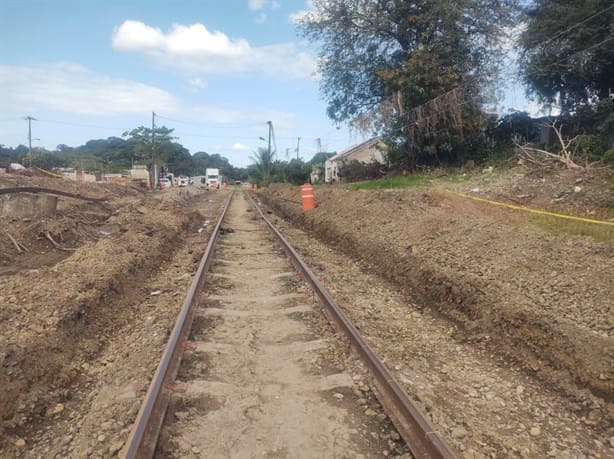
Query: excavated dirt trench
x,y
534,305
544,299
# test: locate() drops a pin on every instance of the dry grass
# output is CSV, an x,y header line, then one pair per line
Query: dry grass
x,y
557,226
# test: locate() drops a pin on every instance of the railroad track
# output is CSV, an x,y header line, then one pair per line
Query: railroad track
x,y
236,369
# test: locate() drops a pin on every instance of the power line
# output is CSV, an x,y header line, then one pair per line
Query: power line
x,y
68,123
211,126
180,134
596,45
573,26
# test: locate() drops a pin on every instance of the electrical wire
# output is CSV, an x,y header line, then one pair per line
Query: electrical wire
x,y
210,126
67,123
596,45
573,27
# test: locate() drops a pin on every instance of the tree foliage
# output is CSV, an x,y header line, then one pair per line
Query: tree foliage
x,y
567,51
381,59
260,171
294,171
116,154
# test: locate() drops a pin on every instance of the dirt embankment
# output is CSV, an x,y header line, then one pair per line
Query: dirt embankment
x,y
542,300
66,306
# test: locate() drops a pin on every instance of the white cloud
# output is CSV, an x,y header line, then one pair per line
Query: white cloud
x,y
71,88
190,41
197,84
261,19
300,15
240,147
193,48
255,5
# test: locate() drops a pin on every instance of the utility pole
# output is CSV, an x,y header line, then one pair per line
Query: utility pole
x,y
30,119
154,173
298,142
270,123
319,142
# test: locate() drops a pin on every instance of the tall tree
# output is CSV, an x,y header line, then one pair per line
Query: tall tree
x,y
145,145
381,59
141,139
567,51
263,164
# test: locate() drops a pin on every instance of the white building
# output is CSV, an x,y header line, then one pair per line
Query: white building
x,y
366,152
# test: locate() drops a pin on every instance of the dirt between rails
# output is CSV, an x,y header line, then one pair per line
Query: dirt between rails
x,y
269,377
83,322
539,304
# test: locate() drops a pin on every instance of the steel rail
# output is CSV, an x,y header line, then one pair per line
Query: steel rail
x,y
144,436
420,437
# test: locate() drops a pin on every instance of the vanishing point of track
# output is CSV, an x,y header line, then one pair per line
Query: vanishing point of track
x,y
419,436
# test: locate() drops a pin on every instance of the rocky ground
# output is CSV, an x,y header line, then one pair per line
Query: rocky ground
x,y
500,327
83,323
497,324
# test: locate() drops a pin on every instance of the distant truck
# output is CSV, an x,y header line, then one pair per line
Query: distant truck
x,y
139,172
213,179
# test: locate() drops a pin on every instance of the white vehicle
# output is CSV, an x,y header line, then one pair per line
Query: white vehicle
x,y
165,184
212,178
182,181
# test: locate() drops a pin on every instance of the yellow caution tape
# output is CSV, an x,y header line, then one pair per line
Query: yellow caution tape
x,y
44,171
534,211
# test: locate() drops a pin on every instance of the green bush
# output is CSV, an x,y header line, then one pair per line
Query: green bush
x,y
608,156
589,147
354,171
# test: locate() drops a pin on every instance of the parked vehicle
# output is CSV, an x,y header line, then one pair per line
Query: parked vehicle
x,y
165,184
182,181
213,178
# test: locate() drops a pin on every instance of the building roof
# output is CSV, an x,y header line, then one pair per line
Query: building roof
x,y
354,149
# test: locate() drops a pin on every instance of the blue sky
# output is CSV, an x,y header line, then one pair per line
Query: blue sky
x,y
214,70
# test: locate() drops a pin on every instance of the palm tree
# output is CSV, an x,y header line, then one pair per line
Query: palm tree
x,y
264,161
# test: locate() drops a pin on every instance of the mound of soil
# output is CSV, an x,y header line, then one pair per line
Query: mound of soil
x,y
542,300
84,320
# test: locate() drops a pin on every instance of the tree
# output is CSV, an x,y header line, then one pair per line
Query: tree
x,y
320,158
294,171
143,144
141,140
567,52
12,155
47,160
176,157
263,164
382,59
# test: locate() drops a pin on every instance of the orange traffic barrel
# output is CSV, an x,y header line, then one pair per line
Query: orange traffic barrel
x,y
307,197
